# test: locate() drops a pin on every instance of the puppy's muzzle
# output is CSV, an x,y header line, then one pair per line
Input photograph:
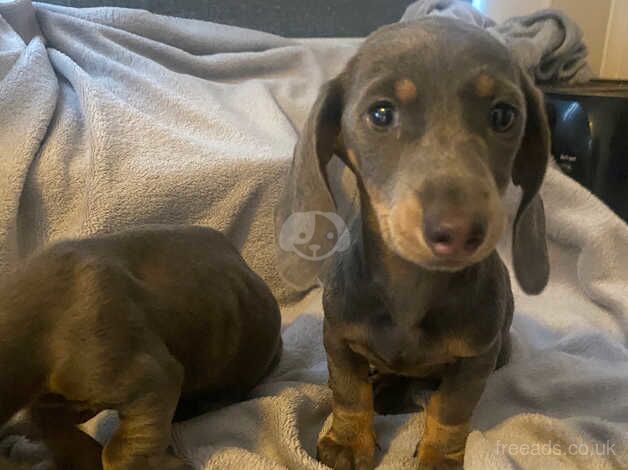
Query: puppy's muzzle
x,y
459,217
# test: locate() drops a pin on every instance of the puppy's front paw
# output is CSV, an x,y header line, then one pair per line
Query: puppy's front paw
x,y
442,465
343,456
431,458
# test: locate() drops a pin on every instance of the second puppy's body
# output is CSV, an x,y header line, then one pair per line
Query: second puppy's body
x,y
134,322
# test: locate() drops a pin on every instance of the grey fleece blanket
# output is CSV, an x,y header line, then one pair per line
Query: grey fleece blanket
x,y
112,118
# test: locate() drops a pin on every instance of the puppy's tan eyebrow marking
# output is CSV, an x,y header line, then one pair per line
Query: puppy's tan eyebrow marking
x,y
405,90
484,85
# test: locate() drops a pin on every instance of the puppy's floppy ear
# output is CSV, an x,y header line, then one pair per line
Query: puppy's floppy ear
x,y
529,247
307,187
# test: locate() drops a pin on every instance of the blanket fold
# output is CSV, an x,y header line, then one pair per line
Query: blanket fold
x,y
111,118
548,43
20,15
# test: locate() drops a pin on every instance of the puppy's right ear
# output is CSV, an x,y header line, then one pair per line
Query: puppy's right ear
x,y
306,189
529,246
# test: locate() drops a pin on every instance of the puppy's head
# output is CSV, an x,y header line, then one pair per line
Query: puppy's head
x,y
434,117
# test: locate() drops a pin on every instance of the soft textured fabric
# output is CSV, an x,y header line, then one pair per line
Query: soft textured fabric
x,y
548,43
118,117
123,118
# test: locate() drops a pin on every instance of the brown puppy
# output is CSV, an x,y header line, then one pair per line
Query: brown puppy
x,y
132,322
433,118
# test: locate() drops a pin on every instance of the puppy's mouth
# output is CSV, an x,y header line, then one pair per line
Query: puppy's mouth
x,y
437,264
421,256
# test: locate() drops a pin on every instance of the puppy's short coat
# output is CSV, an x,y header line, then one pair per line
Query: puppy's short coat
x,y
139,321
433,118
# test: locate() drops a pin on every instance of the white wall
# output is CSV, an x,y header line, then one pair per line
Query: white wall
x,y
500,10
603,22
615,57
593,21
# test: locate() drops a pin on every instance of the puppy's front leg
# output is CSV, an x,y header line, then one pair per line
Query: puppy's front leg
x,y
350,442
449,411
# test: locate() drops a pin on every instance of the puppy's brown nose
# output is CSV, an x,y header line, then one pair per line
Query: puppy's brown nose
x,y
453,236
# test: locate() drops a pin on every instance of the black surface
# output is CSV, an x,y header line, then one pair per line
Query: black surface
x,y
294,18
589,138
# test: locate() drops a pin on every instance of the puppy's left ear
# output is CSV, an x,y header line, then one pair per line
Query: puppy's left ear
x,y
529,246
307,190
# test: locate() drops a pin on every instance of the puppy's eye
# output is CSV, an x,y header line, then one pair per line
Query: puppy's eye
x,y
502,117
382,114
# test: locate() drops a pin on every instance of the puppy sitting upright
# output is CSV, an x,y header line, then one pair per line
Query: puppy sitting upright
x,y
133,322
433,117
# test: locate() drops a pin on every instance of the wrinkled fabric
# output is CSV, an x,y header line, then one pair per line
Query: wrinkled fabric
x,y
548,43
112,118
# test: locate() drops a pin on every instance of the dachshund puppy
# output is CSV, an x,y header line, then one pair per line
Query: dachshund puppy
x,y
140,322
433,118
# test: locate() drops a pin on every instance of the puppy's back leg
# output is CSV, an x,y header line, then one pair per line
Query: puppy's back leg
x,y
152,382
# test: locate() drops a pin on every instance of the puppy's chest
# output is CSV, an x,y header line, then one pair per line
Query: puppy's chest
x,y
416,342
